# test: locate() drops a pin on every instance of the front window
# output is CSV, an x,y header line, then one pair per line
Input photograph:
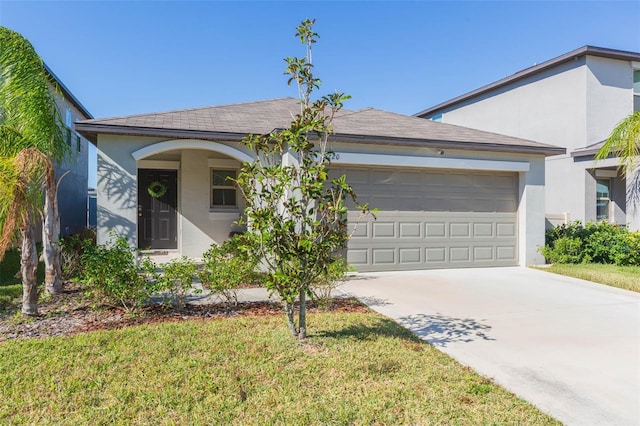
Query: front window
x,y
636,90
223,189
603,198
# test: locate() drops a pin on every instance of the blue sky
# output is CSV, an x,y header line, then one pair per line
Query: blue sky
x,y
122,58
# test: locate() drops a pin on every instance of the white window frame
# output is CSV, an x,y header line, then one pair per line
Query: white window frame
x,y
213,187
607,199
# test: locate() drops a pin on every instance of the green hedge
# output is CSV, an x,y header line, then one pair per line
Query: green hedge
x,y
596,242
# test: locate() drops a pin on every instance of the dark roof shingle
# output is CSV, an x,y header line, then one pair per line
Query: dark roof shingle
x,y
232,122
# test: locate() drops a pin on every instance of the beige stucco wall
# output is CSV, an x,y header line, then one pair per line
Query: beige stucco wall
x,y
116,185
199,226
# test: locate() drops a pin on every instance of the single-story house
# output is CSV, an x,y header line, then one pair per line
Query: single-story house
x,y
448,196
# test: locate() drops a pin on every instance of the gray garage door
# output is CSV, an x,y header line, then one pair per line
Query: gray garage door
x,y
433,219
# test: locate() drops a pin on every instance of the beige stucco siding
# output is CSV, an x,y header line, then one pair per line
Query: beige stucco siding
x,y
198,225
202,226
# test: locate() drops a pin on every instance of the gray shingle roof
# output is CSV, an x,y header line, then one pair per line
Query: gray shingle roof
x,y
232,122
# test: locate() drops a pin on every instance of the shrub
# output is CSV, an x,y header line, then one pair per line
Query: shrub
x,y
626,250
72,247
322,289
570,230
227,266
565,250
111,274
175,277
598,242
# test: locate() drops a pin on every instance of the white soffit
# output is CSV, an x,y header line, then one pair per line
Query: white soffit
x,y
430,162
606,173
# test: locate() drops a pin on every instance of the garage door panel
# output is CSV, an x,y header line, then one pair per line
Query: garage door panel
x,y
504,229
435,255
433,219
384,230
384,256
506,253
483,229
358,257
357,230
435,229
505,182
484,253
410,255
459,230
383,177
505,206
459,254
410,229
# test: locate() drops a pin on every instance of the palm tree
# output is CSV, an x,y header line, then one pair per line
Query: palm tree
x,y
29,119
624,142
21,177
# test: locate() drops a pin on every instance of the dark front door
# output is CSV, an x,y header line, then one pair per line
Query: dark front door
x,y
157,216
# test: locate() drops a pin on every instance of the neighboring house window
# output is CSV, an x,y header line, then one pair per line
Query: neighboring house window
x,y
223,189
78,143
68,118
437,117
636,90
603,198
67,135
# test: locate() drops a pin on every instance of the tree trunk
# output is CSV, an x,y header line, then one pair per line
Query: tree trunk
x,y
29,264
302,315
289,308
51,237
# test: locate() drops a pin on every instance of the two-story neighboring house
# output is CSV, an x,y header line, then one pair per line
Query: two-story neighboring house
x,y
72,192
573,101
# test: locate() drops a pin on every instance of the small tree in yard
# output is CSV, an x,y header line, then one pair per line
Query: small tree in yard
x,y
299,216
30,122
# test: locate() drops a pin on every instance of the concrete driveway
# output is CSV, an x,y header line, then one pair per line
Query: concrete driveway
x,y
569,346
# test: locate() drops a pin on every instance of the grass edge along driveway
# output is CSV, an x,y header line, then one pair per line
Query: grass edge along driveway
x,y
356,368
624,277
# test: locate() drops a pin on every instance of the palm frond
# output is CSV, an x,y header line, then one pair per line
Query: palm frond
x,y
624,142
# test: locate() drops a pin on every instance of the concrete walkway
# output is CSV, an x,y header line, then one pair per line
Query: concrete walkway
x,y
569,346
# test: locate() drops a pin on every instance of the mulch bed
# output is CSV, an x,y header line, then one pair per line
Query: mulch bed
x,y
71,313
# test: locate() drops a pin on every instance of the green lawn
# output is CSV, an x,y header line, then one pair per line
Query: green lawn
x,y
356,368
626,277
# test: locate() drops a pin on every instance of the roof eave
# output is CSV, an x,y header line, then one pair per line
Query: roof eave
x,y
91,131
67,93
461,145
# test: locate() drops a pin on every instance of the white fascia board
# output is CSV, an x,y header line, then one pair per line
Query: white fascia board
x,y
595,164
430,162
